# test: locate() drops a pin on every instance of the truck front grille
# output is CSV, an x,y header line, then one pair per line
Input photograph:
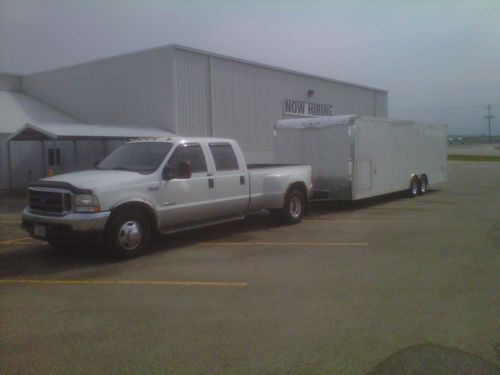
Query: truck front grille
x,y
49,201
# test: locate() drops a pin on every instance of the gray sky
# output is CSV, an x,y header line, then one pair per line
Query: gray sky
x,y
428,54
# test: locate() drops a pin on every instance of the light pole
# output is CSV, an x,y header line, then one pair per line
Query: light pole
x,y
489,117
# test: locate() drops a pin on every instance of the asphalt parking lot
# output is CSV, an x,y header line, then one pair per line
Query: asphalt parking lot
x,y
381,286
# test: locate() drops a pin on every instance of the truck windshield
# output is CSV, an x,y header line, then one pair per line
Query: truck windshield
x,y
141,157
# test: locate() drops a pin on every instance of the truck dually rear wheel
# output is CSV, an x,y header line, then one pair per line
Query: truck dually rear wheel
x,y
422,185
128,234
293,208
413,190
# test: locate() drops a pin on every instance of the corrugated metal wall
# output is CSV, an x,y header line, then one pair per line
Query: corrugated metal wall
x,y
193,93
133,90
4,183
25,161
227,98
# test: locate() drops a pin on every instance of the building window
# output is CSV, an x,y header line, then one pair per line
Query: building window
x,y
54,156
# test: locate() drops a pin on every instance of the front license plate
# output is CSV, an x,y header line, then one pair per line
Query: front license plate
x,y
40,230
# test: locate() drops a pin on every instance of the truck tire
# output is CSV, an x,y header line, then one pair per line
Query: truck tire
x,y
128,234
293,208
57,244
422,185
413,190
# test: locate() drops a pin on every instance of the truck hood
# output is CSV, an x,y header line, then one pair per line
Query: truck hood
x,y
96,179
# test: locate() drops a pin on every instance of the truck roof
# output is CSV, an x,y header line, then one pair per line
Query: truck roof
x,y
179,139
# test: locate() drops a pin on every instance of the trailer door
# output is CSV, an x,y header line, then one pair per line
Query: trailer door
x,y
363,175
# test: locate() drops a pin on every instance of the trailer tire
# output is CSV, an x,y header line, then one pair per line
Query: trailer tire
x,y
293,208
128,234
422,185
413,190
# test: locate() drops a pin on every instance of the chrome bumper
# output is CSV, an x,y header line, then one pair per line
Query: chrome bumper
x,y
79,222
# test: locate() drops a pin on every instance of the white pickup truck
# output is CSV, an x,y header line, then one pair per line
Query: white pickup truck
x,y
161,185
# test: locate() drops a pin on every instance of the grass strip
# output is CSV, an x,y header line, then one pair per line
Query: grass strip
x,y
474,157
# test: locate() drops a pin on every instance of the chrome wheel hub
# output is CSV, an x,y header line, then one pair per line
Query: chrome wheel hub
x,y
295,207
414,188
130,235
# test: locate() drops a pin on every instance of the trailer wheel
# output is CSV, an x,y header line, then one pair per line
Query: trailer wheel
x,y
422,185
128,234
413,190
293,208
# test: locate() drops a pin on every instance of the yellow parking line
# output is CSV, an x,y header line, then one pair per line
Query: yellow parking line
x,y
286,243
360,220
18,243
15,240
124,282
10,221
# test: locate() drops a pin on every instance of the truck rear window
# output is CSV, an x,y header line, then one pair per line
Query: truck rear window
x,y
224,157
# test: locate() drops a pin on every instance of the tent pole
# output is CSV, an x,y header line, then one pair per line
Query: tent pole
x,y
9,164
42,143
103,148
75,154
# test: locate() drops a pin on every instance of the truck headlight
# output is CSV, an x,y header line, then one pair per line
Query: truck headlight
x,y
86,203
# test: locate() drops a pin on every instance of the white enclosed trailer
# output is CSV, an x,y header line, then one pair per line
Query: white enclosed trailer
x,y
355,157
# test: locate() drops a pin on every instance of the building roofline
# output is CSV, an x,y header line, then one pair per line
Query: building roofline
x,y
2,73
213,54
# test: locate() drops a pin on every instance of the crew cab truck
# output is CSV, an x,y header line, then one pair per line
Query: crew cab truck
x,y
356,157
161,185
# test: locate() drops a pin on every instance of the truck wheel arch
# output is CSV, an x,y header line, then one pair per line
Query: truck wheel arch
x,y
300,186
137,205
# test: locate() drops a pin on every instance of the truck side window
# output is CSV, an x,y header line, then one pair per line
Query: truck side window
x,y
191,153
224,157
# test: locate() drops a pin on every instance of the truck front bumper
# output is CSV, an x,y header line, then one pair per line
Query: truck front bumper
x,y
70,226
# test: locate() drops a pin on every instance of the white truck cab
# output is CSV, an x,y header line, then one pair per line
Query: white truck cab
x,y
162,185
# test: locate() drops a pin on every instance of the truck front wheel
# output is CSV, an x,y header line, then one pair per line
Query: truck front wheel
x,y
293,208
128,234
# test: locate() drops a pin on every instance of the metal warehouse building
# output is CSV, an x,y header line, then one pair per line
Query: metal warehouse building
x,y
172,88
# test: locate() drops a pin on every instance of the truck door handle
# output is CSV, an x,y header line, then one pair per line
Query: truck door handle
x,y
210,183
242,180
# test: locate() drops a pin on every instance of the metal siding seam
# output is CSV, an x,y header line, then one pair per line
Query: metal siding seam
x,y
210,97
176,92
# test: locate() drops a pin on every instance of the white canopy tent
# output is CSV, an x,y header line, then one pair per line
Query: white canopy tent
x,y
43,132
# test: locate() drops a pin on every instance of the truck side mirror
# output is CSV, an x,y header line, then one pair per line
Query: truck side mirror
x,y
183,171
167,173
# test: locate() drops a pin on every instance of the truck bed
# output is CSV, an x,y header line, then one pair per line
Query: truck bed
x,y
268,183
260,166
